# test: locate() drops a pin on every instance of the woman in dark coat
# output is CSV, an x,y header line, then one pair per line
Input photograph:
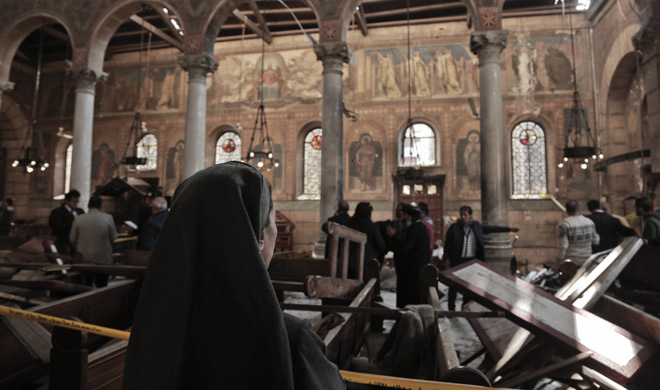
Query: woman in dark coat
x,y
361,221
208,317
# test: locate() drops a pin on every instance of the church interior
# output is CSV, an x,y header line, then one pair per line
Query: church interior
x,y
512,107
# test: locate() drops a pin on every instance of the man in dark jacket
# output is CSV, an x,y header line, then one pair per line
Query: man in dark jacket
x,y
465,241
341,217
61,219
151,226
361,221
411,253
609,229
651,233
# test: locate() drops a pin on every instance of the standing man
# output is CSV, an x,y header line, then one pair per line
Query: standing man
x,y
465,241
651,233
428,222
61,219
411,253
151,226
92,234
609,229
341,217
607,208
577,234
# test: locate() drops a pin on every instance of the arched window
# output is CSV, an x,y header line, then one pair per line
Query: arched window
x,y
528,161
312,150
148,147
417,146
67,168
228,148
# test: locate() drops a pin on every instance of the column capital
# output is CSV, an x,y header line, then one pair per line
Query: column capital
x,y
488,45
6,86
647,39
86,78
198,65
332,54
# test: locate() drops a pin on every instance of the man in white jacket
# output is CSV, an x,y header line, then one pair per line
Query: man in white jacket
x,y
92,234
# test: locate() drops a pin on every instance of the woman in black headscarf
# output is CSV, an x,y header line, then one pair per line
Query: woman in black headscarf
x,y
361,221
208,317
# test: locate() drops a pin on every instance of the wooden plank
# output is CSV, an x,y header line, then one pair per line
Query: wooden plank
x,y
287,269
131,271
34,337
628,317
105,367
325,287
445,352
170,26
53,285
156,31
361,21
519,380
260,19
17,298
619,358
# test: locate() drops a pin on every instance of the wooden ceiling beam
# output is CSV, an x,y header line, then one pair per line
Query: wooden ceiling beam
x,y
170,26
156,31
424,8
252,26
55,33
361,21
260,18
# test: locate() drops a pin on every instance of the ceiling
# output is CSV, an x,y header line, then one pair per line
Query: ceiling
x,y
154,29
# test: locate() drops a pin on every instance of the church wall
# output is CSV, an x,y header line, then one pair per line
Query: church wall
x,y
537,85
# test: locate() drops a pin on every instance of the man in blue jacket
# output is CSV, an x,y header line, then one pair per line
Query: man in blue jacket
x,y
465,241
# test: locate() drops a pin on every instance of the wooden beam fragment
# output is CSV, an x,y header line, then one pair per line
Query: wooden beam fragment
x,y
156,31
252,26
260,18
546,370
325,287
17,298
170,26
361,21
446,357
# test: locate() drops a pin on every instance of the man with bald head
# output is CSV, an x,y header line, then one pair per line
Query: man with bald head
x,y
152,226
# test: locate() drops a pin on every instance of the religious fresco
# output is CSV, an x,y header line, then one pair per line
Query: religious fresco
x,y
174,171
436,70
103,165
365,167
468,162
160,90
288,76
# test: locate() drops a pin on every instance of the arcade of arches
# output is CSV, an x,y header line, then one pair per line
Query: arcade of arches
x,y
489,103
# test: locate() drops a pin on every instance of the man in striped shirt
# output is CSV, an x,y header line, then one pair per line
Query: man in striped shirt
x,y
577,234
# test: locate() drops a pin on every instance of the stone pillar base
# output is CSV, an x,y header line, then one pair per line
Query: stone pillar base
x,y
498,251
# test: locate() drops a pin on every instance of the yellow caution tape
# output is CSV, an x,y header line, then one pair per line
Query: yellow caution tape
x,y
56,321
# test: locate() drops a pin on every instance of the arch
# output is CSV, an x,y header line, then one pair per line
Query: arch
x,y
425,151
303,190
228,147
147,147
529,162
13,35
118,14
14,112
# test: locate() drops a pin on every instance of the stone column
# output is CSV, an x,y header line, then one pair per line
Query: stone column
x,y
83,122
647,40
488,46
333,55
197,66
5,86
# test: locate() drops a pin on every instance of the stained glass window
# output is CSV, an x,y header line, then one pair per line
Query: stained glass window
x,y
67,168
228,148
417,146
312,149
148,147
528,161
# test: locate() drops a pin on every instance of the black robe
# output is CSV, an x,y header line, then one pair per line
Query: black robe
x,y
410,254
208,317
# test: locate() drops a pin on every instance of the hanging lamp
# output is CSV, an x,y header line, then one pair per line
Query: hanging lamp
x,y
137,126
580,144
260,153
28,157
409,141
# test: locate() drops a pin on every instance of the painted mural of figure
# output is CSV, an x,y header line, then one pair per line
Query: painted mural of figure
x,y
448,72
175,166
421,75
386,76
558,68
472,156
365,159
272,81
103,164
166,99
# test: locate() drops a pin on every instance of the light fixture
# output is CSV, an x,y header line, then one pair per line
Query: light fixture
x,y
26,159
137,126
579,142
260,154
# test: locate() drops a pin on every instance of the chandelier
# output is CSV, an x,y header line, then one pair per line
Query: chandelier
x,y
579,142
26,159
260,153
